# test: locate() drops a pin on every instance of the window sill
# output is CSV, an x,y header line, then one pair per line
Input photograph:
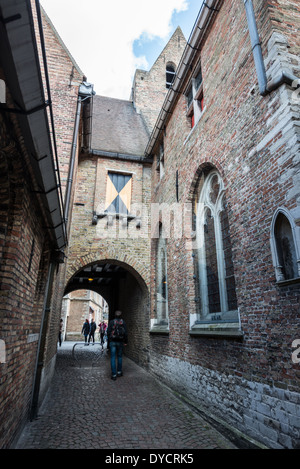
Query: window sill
x,y
193,129
162,329
221,329
291,281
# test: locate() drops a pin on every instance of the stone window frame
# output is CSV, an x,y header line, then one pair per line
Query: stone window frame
x,y
194,96
160,324
225,323
295,231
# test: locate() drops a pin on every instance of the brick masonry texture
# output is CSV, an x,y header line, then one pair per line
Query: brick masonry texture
x,y
251,383
253,142
23,270
25,247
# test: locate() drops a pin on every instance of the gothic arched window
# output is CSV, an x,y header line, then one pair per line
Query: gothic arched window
x,y
161,280
160,321
285,246
218,302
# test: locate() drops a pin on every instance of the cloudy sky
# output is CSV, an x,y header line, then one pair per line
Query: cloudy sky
x,y
110,39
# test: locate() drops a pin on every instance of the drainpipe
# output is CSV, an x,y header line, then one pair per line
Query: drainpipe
x,y
285,77
85,92
256,48
41,343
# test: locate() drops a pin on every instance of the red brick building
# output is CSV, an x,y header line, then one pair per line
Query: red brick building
x,y
181,208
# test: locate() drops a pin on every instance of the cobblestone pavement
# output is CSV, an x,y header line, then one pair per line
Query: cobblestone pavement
x,y
85,409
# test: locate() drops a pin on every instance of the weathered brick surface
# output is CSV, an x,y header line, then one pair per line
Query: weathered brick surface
x,y
149,87
253,141
22,275
25,241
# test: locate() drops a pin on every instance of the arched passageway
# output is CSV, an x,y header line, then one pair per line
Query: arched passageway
x,y
124,289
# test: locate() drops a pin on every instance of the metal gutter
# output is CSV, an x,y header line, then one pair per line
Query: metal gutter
x,y
21,65
206,13
121,156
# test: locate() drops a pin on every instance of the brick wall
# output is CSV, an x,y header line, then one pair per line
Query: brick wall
x,y
65,77
25,246
22,279
149,87
128,247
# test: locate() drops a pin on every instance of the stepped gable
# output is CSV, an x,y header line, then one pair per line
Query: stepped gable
x,y
117,127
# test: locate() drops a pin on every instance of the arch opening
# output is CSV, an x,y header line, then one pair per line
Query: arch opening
x,y
122,288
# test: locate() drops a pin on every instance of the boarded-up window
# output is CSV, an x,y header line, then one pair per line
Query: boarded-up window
x,y
118,193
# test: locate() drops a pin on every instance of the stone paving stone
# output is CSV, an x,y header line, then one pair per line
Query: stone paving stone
x,y
85,409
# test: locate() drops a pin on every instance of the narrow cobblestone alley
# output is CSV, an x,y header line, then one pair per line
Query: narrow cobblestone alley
x,y
85,409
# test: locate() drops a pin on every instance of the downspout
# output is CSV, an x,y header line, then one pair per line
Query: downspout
x,y
72,160
85,92
285,77
256,48
41,343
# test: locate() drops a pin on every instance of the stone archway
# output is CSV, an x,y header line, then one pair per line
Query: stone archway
x,y
123,288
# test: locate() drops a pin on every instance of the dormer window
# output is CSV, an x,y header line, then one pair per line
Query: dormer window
x,y
170,74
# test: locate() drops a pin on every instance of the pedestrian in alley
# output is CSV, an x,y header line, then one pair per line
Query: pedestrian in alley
x,y
93,328
102,329
85,330
61,323
117,338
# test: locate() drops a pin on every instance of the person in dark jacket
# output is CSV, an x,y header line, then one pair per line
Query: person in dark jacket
x,y
85,330
93,328
117,338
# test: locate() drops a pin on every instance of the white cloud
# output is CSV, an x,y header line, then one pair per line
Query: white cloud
x,y
100,36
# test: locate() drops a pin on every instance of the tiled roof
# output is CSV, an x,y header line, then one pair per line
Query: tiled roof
x,y
117,127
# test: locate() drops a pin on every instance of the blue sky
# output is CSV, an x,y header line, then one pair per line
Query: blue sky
x,y
111,39
185,19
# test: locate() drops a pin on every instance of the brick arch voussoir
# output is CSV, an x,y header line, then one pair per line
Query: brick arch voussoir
x,y
115,257
205,165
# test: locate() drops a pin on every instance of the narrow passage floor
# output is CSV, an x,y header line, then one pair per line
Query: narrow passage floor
x,y
85,409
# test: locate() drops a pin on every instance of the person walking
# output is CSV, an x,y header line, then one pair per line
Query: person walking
x,y
61,324
85,330
102,329
117,338
93,328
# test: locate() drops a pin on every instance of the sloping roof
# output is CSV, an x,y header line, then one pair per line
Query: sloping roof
x,y
117,127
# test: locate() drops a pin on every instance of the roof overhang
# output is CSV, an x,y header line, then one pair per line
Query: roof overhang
x,y
21,65
204,19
